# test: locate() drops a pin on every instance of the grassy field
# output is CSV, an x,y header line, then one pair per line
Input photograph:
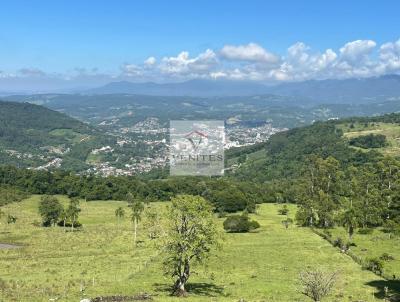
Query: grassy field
x,y
373,246
101,260
70,134
391,131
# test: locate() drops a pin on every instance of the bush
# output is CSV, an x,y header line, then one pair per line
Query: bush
x,y
240,224
287,222
365,231
317,284
338,242
391,227
374,265
284,210
77,224
386,257
327,233
304,217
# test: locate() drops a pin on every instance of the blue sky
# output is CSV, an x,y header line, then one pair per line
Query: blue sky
x,y
65,36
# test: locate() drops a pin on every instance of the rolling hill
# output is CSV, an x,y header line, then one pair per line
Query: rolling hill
x,y
33,136
285,155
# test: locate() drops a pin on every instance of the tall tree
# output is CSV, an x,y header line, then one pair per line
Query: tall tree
x,y
137,208
320,190
191,236
73,211
50,209
119,213
350,220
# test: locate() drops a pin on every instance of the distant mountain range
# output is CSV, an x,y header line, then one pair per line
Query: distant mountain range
x,y
344,91
198,88
323,91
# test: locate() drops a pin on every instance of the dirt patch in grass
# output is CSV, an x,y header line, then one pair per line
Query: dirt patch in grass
x,y
4,246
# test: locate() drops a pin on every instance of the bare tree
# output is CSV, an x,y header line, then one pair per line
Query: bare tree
x,y
317,284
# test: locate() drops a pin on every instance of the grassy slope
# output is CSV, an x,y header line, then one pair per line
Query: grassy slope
x,y
260,266
391,131
373,246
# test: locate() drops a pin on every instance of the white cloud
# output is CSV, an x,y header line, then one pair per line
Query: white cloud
x,y
360,58
251,52
357,52
150,61
184,65
131,70
389,54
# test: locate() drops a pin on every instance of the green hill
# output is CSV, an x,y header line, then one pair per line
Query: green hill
x,y
285,154
32,136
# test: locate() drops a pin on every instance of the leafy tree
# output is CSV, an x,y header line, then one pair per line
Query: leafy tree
x,y
191,235
50,209
320,191
73,211
350,220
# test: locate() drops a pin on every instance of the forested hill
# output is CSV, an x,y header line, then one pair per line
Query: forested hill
x,y
32,135
352,141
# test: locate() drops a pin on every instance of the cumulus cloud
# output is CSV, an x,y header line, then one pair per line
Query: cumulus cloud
x,y
150,61
184,65
251,52
251,62
389,54
358,51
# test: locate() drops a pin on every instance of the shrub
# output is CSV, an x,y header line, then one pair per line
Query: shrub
x,y
327,233
305,217
287,222
365,231
391,227
284,210
68,224
317,284
251,207
374,265
254,225
386,257
338,242
240,224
